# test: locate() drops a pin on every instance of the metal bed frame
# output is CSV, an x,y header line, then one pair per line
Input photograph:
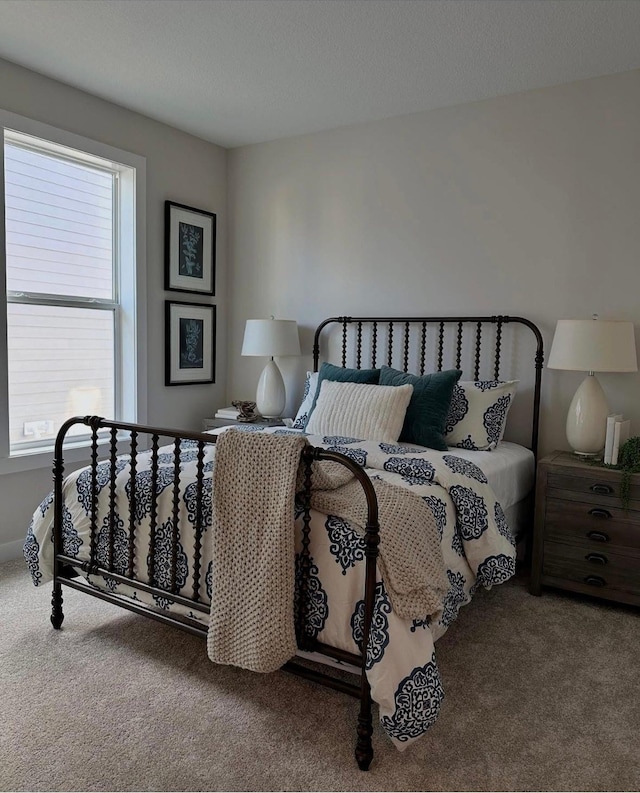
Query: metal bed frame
x,y
375,333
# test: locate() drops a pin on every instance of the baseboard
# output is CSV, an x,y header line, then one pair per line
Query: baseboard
x,y
11,550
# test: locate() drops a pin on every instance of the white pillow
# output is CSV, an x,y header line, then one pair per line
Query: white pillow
x,y
310,386
359,410
478,413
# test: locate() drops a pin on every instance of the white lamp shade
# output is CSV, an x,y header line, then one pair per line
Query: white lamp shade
x,y
588,345
272,337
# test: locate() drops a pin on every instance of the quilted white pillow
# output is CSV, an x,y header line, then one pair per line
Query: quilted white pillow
x,y
359,410
478,413
310,385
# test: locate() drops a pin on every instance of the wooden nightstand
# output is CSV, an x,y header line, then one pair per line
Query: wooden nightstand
x,y
214,424
584,540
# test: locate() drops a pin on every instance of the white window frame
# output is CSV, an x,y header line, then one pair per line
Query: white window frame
x,y
131,396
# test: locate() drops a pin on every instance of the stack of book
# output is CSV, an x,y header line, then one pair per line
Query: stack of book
x,y
618,431
228,413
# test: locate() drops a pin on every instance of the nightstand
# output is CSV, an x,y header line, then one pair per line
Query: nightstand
x,y
584,539
214,424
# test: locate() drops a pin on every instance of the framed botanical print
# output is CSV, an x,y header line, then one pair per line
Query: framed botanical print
x,y
190,343
190,249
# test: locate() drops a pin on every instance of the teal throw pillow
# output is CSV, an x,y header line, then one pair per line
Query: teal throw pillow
x,y
341,374
426,415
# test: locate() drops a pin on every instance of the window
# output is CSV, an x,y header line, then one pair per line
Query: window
x,y
72,288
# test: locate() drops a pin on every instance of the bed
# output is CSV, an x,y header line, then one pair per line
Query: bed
x,y
136,528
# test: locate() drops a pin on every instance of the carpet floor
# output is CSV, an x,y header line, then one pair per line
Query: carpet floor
x,y
541,694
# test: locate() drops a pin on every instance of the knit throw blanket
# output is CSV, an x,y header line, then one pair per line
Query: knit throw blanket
x,y
253,545
253,550
409,555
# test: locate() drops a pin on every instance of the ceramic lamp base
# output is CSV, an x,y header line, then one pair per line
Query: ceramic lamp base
x,y
270,397
587,418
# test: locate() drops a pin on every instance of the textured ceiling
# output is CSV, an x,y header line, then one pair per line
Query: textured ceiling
x,y
244,71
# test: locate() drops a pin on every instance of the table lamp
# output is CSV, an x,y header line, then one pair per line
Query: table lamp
x,y
272,337
591,345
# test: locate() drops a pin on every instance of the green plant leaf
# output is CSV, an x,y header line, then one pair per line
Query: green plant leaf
x,y
628,463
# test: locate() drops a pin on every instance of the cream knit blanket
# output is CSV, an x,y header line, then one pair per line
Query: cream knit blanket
x,y
251,622
252,618
409,555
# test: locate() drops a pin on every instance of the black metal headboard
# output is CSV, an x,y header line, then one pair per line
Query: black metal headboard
x,y
423,344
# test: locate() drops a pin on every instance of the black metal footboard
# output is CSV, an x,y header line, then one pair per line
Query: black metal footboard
x,y
116,553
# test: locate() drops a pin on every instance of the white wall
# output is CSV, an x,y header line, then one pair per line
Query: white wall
x,y
528,204
181,168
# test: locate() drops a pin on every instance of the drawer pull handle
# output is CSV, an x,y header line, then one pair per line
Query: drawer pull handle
x,y
596,558
595,580
598,536
597,512
605,490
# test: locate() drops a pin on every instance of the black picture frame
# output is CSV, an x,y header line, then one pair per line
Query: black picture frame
x,y
190,343
189,249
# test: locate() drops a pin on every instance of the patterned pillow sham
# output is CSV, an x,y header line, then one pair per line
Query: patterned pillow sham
x,y
310,386
478,413
342,374
427,412
359,410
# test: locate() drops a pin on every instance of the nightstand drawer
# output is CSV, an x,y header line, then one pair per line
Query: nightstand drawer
x,y
595,526
597,570
594,488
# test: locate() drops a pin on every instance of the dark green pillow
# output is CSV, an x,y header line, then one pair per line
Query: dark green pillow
x,y
341,374
427,413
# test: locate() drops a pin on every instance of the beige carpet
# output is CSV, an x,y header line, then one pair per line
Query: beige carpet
x,y
541,694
